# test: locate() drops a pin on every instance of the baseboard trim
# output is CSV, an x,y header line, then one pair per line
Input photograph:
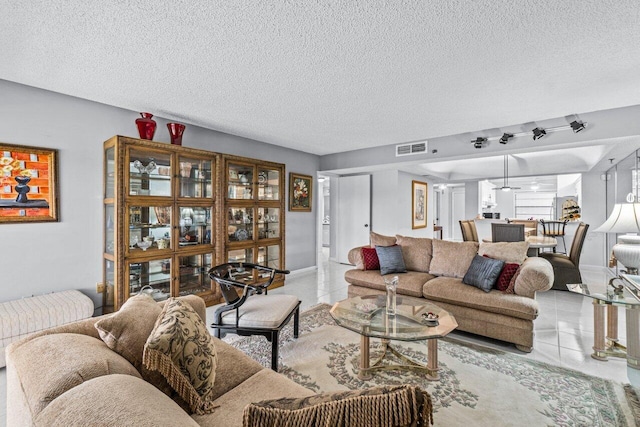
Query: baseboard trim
x,y
303,270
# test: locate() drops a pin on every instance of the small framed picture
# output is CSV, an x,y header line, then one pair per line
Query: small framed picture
x,y
418,204
233,174
28,184
300,192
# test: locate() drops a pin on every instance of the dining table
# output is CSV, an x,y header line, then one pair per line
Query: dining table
x,y
536,243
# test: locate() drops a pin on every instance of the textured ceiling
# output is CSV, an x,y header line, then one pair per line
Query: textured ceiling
x,y
329,76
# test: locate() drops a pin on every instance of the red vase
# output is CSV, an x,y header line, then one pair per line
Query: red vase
x,y
146,126
175,132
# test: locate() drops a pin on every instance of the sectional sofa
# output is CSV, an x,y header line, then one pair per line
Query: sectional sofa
x,y
435,269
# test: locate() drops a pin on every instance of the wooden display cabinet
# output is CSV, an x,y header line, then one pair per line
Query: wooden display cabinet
x,y
161,219
253,211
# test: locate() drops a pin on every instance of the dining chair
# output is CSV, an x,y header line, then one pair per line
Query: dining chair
x,y
469,231
248,310
504,232
566,268
555,229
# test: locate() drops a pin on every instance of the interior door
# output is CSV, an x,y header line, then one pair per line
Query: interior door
x,y
457,213
354,214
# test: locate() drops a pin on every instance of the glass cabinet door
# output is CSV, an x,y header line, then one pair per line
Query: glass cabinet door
x,y
240,224
149,228
268,184
195,226
149,173
110,170
152,277
268,223
193,277
109,229
269,256
195,178
240,185
109,282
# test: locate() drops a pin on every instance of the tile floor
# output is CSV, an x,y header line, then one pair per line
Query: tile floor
x,y
564,329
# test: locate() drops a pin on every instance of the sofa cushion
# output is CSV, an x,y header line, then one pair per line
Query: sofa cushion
x,y
370,259
391,260
452,259
233,368
512,252
126,331
416,252
483,272
453,291
114,400
408,404
381,240
265,384
409,283
535,274
66,360
181,348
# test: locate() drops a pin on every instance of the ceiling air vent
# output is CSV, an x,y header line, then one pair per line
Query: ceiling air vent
x,y
409,149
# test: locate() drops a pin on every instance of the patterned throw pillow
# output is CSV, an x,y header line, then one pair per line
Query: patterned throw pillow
x,y
391,260
508,272
182,350
512,282
370,259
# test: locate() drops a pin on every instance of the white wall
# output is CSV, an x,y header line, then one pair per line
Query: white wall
x,y
37,258
594,213
506,204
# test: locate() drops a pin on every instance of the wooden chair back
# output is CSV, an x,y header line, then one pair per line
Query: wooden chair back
x,y
469,231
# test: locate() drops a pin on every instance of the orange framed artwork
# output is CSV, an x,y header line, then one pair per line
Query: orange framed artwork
x,y
28,184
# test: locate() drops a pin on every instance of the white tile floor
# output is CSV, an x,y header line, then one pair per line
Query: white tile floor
x,y
564,329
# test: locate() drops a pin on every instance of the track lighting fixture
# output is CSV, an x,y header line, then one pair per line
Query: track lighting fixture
x,y
577,126
505,138
538,133
479,142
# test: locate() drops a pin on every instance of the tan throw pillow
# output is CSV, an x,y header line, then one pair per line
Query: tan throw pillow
x,y
511,252
452,259
396,405
380,240
182,350
416,252
127,330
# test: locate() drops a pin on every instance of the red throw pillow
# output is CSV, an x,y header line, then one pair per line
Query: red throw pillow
x,y
370,259
508,271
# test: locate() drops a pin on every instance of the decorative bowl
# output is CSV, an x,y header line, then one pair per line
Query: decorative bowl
x,y
144,245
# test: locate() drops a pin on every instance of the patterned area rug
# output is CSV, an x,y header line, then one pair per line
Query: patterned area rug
x,y
478,386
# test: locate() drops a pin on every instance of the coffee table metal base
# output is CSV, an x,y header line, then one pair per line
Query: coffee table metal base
x,y
367,369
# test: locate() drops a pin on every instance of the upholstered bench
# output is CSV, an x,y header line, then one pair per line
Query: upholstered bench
x,y
25,316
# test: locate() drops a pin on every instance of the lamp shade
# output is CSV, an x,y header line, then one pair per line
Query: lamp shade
x,y
625,218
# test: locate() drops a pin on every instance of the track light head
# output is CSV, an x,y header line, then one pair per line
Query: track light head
x,y
505,138
538,133
479,142
576,126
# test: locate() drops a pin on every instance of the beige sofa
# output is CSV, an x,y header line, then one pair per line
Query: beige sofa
x,y
435,269
67,376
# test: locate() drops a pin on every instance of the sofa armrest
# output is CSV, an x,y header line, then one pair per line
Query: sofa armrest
x,y
536,275
355,257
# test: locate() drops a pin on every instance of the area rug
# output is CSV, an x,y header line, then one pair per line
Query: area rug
x,y
478,386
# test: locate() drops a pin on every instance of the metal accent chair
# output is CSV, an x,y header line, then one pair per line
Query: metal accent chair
x,y
469,232
248,310
555,229
507,232
566,269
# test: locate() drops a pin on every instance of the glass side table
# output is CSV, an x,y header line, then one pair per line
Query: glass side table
x,y
623,291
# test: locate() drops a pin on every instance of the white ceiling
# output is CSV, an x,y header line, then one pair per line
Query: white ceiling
x,y
328,76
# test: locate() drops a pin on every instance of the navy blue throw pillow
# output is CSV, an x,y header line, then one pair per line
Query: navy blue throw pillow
x,y
391,260
483,272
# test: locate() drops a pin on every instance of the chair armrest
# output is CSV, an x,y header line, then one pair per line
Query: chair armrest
x,y
536,275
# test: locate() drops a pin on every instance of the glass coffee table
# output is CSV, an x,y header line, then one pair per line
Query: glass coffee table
x,y
367,316
623,291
